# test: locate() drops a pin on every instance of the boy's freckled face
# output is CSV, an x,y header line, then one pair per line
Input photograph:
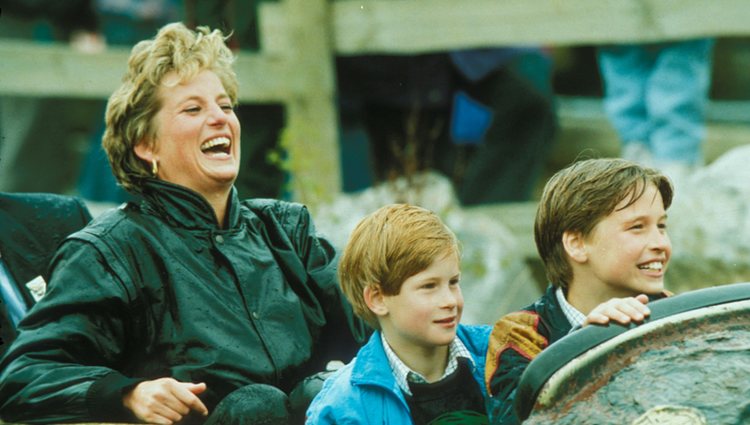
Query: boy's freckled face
x,y
629,249
426,312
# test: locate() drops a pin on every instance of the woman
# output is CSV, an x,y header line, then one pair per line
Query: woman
x,y
159,309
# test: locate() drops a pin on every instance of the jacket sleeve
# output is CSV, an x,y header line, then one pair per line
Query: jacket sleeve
x,y
63,365
514,342
339,402
344,332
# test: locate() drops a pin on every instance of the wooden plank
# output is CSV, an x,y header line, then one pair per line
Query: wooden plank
x,y
34,69
396,26
56,70
311,137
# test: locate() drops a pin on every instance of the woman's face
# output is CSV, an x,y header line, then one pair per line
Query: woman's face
x,y
197,142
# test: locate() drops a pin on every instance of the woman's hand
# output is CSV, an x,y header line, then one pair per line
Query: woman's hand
x,y
620,310
165,400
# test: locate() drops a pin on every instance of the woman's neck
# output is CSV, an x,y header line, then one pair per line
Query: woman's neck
x,y
218,202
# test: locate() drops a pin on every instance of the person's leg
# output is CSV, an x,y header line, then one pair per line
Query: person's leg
x,y
505,167
625,70
354,144
403,140
676,97
255,404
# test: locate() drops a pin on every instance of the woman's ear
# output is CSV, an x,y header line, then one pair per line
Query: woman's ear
x,y
375,299
145,151
575,246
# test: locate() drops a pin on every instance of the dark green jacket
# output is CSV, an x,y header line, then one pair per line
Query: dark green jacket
x,y
157,289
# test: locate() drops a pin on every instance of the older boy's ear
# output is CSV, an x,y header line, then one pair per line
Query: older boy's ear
x,y
375,299
575,246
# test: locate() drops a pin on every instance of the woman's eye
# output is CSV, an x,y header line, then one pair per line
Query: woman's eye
x,y
227,108
192,109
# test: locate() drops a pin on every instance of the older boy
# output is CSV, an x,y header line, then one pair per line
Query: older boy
x,y
600,230
400,271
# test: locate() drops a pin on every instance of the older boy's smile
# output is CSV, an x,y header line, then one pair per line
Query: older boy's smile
x,y
656,268
656,265
628,250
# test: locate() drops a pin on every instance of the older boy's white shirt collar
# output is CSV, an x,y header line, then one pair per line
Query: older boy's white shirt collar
x,y
575,317
404,374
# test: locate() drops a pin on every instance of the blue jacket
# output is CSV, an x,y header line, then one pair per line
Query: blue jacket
x,y
365,390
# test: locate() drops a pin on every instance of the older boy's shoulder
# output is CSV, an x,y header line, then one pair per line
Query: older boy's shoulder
x,y
518,331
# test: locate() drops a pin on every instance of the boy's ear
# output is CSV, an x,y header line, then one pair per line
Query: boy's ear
x,y
375,299
575,246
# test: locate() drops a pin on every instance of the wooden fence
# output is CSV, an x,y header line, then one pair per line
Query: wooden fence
x,y
301,37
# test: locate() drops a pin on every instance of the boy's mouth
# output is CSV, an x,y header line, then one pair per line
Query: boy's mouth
x,y
447,321
653,265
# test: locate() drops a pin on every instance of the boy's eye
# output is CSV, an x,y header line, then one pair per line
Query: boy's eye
x,y
192,109
455,281
227,108
428,285
636,227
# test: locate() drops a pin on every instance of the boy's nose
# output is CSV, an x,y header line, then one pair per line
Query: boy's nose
x,y
660,240
451,297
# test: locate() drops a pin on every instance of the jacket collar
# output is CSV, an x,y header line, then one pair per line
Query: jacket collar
x,y
184,207
371,366
552,315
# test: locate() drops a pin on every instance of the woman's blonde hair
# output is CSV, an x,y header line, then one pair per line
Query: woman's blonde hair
x,y
132,107
389,246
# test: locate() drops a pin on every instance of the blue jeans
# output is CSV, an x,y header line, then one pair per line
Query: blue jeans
x,y
656,94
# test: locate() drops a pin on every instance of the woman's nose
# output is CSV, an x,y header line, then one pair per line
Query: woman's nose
x,y
217,115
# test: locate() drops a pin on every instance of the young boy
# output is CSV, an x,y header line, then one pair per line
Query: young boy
x,y
401,272
600,230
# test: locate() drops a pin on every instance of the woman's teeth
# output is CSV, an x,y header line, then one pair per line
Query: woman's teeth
x,y
219,142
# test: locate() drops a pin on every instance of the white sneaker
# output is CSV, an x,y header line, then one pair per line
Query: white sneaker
x,y
678,172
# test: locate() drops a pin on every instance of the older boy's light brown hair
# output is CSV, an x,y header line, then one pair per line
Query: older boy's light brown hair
x,y
389,246
576,198
132,107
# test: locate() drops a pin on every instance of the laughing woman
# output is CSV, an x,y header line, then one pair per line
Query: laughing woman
x,y
161,308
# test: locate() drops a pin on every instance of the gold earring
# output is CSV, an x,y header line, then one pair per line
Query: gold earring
x,y
154,167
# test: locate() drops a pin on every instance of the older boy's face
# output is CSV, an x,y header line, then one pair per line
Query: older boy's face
x,y
629,249
425,313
